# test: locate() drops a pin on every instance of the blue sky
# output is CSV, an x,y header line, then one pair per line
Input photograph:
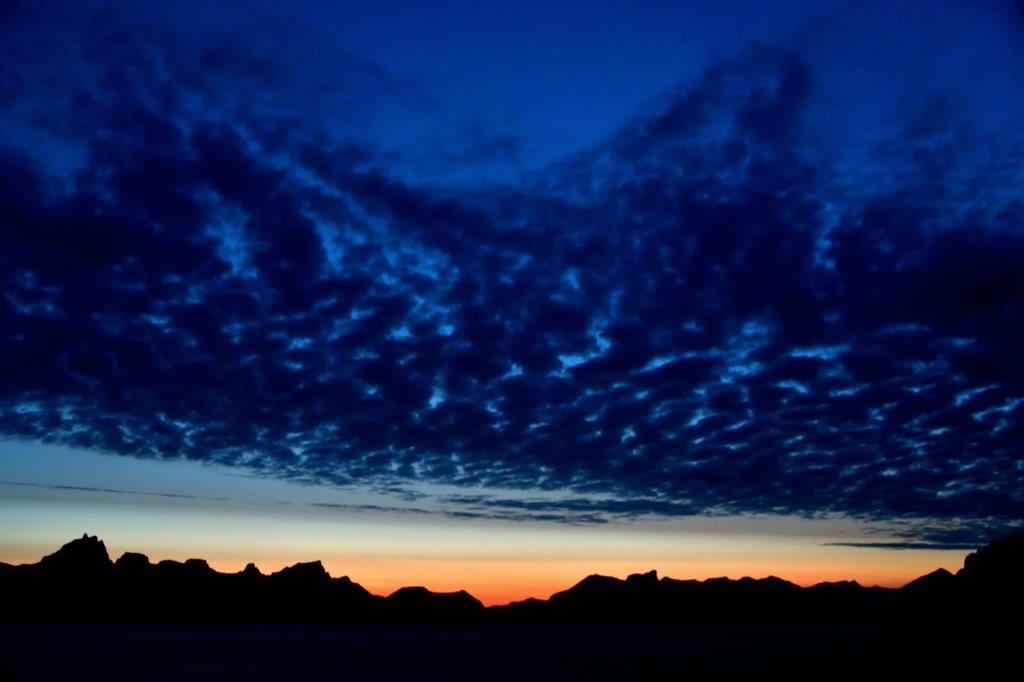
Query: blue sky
x,y
586,265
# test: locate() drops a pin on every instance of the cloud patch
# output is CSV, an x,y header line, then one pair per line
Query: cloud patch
x,y
697,315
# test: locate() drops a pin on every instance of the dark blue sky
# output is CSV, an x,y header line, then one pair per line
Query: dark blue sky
x,y
727,258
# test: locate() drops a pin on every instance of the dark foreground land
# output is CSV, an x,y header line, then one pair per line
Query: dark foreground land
x,y
77,615
910,651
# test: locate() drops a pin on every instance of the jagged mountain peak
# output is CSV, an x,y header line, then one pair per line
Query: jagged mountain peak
x,y
87,553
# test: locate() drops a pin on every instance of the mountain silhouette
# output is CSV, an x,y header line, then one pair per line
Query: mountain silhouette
x,y
79,583
937,579
422,605
87,555
998,566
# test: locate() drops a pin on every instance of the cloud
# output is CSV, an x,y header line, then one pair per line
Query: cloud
x,y
112,491
458,510
371,508
947,534
933,546
697,315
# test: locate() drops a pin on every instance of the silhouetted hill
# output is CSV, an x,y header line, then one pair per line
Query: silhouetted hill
x,y
421,605
79,583
996,568
646,599
937,579
87,555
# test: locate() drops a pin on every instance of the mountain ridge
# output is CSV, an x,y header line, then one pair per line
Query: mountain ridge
x,y
80,583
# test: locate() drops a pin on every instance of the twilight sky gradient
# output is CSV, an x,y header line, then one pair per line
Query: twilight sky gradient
x,y
496,295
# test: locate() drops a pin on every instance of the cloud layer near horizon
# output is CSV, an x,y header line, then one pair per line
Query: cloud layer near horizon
x,y
706,312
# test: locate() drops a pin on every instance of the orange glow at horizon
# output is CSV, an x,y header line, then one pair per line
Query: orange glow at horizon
x,y
501,579
232,520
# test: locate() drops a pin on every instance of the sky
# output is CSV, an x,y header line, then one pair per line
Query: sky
x,y
497,295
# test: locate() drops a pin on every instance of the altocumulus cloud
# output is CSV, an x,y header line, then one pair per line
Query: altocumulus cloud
x,y
703,313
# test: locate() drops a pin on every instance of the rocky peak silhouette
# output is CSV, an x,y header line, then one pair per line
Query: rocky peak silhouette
x,y
1001,560
649,578
132,561
418,604
86,554
936,579
198,566
309,572
251,571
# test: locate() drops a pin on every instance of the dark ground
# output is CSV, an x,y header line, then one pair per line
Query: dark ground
x,y
913,651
